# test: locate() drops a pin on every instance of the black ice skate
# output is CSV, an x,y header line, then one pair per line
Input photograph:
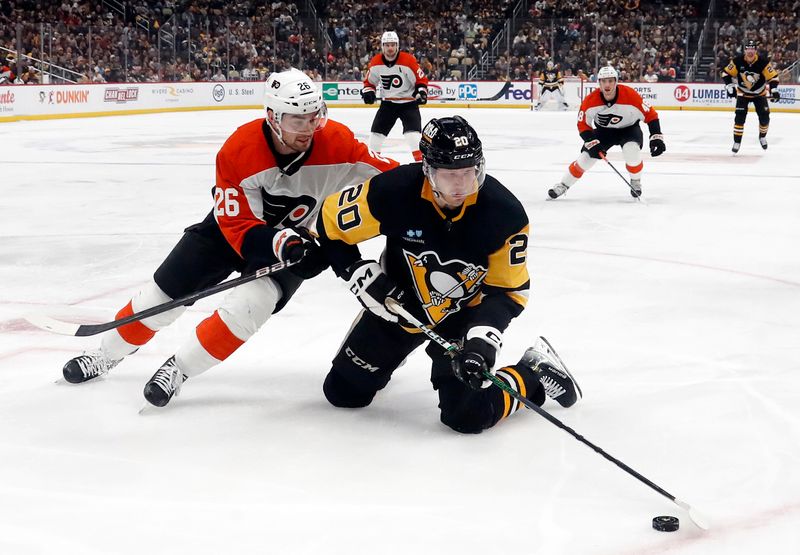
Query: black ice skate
x,y
164,384
636,188
763,141
736,146
558,383
87,366
557,190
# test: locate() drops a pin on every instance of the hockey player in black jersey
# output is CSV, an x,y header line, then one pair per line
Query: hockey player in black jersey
x,y
753,74
456,258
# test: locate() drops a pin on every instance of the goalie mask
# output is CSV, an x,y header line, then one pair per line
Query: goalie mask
x,y
452,159
293,104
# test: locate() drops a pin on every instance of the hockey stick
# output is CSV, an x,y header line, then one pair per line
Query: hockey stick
x,y
506,87
622,177
82,330
699,519
790,67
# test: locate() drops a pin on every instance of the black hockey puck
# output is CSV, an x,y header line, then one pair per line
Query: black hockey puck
x,y
666,523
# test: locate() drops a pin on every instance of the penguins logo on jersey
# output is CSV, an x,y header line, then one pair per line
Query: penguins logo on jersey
x,y
443,286
286,211
749,78
391,80
604,120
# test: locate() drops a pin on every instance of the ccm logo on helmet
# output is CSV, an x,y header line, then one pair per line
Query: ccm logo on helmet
x,y
460,156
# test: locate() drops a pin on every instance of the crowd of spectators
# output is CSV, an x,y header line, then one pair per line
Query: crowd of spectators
x,y
644,41
156,40
773,24
196,40
448,37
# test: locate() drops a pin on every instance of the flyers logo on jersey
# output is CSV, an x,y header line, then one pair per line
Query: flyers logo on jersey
x,y
443,286
286,211
604,120
389,81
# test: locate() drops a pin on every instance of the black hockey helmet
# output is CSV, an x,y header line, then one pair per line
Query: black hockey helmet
x,y
750,44
450,143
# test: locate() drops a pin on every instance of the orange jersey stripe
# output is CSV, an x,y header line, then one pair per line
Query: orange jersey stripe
x,y
216,338
134,333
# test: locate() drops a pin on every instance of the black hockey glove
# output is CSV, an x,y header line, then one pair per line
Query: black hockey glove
x,y
657,146
288,246
368,96
372,287
421,94
481,345
593,148
775,95
730,89
313,263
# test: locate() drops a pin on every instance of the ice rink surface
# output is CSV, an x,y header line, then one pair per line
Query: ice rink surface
x,y
679,316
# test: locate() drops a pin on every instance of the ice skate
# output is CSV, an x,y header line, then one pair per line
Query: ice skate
x,y
558,383
557,190
87,366
763,141
736,146
636,187
164,384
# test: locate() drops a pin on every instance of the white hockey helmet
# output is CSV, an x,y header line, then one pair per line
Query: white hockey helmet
x,y
550,65
607,72
389,37
293,92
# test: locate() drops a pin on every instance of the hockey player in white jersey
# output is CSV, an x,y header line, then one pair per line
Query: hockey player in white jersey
x,y
272,175
403,87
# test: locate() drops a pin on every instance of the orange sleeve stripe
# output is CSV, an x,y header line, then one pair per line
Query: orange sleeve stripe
x,y
216,338
134,333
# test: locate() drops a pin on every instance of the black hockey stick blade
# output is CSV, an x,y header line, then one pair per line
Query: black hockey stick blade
x,y
498,95
83,330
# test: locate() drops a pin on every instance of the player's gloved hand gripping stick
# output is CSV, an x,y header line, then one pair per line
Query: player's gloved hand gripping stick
x,y
699,519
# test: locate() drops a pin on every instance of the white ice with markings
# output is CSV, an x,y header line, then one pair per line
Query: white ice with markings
x,y
679,316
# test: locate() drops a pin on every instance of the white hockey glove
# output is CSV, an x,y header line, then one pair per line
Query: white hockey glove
x,y
481,345
730,88
372,287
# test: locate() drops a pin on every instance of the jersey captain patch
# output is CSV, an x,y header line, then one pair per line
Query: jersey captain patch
x,y
442,286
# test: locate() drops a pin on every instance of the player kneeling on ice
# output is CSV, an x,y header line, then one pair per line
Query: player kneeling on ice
x,y
456,259
610,116
272,176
